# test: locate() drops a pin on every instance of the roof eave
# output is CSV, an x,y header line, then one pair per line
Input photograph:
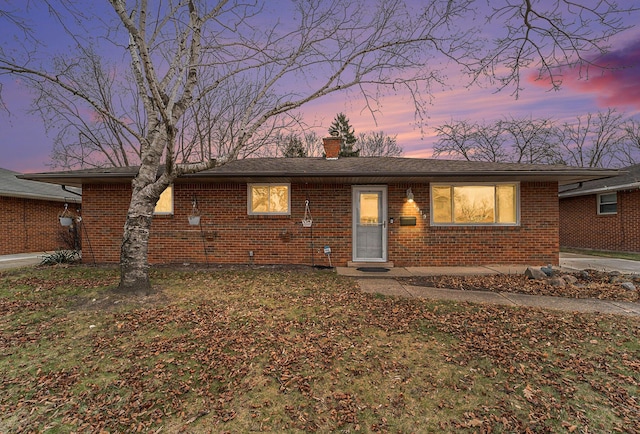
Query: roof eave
x,y
599,190
38,197
562,177
77,180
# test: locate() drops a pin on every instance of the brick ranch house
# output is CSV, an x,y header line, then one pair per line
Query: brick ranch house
x,y
374,210
29,212
602,214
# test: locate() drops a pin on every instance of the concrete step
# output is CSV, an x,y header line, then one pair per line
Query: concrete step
x,y
352,264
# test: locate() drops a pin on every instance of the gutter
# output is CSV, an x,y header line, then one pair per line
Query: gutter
x,y
64,188
31,196
633,185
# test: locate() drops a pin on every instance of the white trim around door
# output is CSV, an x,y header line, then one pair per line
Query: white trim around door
x,y
369,226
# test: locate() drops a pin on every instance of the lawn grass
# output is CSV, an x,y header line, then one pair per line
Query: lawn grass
x,y
300,351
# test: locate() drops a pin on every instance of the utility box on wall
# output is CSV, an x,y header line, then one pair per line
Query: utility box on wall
x,y
407,221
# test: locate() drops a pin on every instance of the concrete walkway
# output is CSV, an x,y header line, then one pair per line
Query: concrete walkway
x,y
574,261
20,260
384,282
387,286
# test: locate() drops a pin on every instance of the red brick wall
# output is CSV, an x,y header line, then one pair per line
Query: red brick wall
x,y
582,227
227,233
29,225
534,241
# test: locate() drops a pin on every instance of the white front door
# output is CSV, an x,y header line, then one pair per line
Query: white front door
x,y
370,223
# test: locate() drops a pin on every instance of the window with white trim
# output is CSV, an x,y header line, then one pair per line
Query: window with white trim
x,y
269,199
475,204
164,206
608,203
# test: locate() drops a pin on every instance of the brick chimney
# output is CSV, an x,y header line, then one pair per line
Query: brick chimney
x,y
332,147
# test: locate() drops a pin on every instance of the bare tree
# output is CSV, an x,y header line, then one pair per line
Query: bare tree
x,y
532,140
186,55
295,143
594,140
472,141
550,36
491,143
378,144
630,152
603,139
456,140
91,139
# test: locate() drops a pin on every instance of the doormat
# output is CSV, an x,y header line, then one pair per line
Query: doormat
x,y
373,269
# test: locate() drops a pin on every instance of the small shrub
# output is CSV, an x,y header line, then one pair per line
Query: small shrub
x,y
60,257
68,238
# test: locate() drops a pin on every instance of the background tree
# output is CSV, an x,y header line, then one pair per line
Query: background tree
x,y
297,143
603,139
239,59
471,141
531,140
378,144
343,128
631,151
456,140
293,147
520,140
594,140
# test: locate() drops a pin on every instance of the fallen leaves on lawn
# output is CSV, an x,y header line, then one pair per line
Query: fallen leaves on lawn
x,y
309,352
593,284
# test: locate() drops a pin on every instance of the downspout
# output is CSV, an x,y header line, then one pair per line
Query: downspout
x,y
64,187
570,189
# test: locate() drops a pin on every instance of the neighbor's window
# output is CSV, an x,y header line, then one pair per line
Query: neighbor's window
x,y
274,199
482,204
608,203
164,206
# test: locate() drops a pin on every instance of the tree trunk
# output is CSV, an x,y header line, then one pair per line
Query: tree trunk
x,y
134,264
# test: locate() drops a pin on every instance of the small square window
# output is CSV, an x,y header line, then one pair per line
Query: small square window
x,y
608,203
269,199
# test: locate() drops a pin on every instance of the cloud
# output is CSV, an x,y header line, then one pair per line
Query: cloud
x,y
614,82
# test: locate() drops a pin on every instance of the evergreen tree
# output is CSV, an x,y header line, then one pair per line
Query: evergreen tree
x,y
342,127
294,147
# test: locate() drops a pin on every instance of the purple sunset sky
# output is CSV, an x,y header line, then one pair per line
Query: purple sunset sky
x,y
25,146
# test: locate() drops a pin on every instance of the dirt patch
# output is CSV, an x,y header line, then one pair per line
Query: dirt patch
x,y
113,299
589,284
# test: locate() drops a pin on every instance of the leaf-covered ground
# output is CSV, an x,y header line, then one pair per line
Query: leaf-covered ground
x,y
589,284
300,351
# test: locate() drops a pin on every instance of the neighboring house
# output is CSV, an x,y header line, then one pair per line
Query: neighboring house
x,y
364,210
602,214
29,212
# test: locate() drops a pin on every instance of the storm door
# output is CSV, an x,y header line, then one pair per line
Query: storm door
x,y
370,223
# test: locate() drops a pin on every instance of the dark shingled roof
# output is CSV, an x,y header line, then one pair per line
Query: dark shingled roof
x,y
12,186
627,179
347,170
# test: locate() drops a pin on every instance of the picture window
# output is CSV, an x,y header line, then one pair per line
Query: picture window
x,y
475,204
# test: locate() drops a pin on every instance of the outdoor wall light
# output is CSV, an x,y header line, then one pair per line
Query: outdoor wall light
x,y
409,195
